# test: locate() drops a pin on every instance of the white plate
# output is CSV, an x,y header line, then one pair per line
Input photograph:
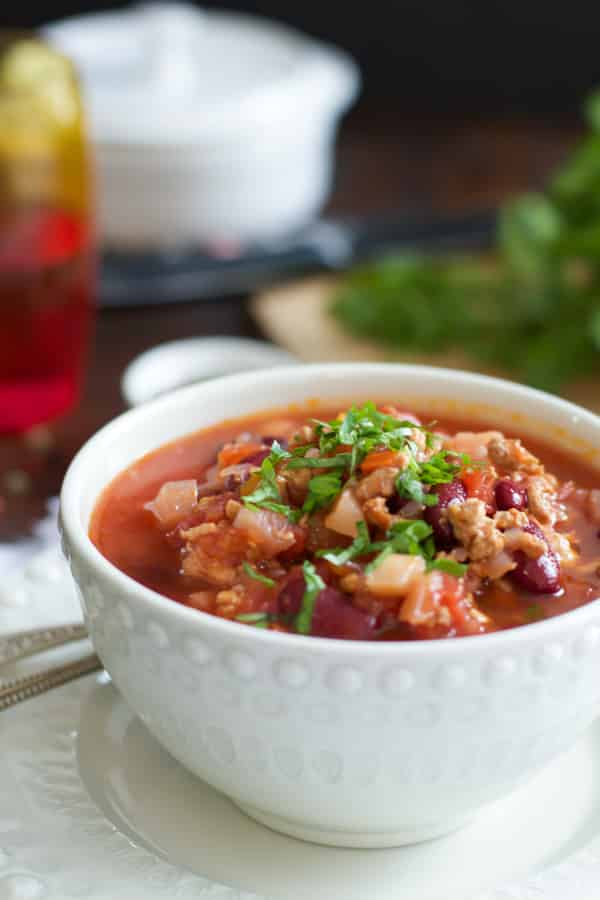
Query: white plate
x,y
92,807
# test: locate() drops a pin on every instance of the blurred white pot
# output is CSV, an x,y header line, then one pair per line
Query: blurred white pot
x,y
207,126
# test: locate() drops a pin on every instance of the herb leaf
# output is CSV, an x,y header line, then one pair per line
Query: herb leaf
x,y
340,461
252,573
322,491
278,453
314,585
266,495
258,619
359,547
409,486
450,566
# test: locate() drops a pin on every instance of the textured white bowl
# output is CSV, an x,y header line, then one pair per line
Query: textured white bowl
x,y
347,743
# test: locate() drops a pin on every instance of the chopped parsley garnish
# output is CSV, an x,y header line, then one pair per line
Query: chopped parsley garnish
x,y
449,566
360,546
266,495
314,585
258,619
257,576
438,469
411,536
322,491
278,453
408,485
363,429
407,536
340,461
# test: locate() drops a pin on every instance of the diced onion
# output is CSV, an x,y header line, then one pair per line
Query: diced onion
x,y
175,501
422,601
474,443
395,575
269,530
345,515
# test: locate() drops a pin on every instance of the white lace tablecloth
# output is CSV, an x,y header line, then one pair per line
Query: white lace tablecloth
x,y
35,592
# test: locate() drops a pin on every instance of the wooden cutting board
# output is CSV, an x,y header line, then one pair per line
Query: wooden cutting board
x,y
294,315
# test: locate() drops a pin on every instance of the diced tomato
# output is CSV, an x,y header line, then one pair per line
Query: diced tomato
x,y
480,483
377,459
453,597
232,454
297,549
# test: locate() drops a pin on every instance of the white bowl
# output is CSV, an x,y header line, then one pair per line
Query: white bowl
x,y
347,743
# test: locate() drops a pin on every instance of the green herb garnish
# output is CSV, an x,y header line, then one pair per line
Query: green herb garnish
x,y
340,461
314,585
539,299
258,619
278,453
364,429
438,469
266,495
449,566
406,536
360,546
413,536
249,570
322,491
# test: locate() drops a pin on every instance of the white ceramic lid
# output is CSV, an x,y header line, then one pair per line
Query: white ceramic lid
x,y
169,73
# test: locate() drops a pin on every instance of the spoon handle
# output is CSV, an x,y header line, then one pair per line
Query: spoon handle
x,y
24,688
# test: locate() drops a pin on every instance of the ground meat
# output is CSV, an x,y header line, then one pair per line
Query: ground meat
x,y
232,508
214,556
511,518
297,484
474,443
541,501
351,583
304,435
494,567
531,545
419,439
198,530
230,602
380,483
512,456
377,513
474,529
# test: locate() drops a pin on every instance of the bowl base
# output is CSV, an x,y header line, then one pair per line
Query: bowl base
x,y
355,839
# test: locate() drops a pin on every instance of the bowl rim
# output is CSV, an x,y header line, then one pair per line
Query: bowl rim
x,y
70,524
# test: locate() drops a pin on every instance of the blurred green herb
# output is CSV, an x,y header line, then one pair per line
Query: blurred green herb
x,y
533,311
314,585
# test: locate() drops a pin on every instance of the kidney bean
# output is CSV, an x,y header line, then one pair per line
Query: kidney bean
x,y
268,440
289,598
510,495
541,575
442,531
335,617
257,457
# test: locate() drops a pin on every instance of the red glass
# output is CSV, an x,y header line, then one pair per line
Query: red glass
x,y
46,287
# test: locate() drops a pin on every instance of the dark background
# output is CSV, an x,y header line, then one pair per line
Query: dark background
x,y
485,57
